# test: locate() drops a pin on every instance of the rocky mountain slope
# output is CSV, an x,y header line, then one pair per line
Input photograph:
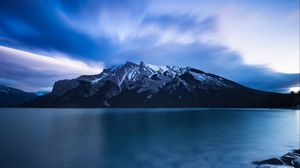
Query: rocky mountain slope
x,y
146,85
13,97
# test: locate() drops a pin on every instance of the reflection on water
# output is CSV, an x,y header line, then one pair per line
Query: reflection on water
x,y
144,138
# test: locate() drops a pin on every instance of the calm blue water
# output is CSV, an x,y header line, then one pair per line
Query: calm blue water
x,y
144,138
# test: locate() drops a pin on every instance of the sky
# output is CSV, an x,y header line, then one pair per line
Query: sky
x,y
252,42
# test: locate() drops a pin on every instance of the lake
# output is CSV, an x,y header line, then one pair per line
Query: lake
x,y
144,138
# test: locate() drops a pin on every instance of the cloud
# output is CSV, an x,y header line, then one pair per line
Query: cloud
x,y
182,22
36,25
123,24
176,28
111,19
31,71
114,31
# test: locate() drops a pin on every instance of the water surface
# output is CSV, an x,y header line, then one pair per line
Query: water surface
x,y
144,138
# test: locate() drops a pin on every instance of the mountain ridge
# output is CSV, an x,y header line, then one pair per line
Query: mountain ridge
x,y
147,85
11,96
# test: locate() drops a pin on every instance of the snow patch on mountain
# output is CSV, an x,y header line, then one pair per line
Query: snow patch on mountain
x,y
198,76
103,75
156,68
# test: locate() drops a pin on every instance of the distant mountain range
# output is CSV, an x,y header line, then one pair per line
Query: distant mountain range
x,y
12,97
146,85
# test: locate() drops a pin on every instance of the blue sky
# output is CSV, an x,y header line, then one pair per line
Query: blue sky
x,y
253,42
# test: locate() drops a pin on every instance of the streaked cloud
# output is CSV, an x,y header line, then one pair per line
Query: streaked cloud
x,y
246,41
27,70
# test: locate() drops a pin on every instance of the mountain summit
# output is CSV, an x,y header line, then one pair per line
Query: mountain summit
x,y
147,85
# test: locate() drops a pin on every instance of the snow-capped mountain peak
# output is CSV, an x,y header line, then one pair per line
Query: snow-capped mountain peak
x,y
151,79
129,73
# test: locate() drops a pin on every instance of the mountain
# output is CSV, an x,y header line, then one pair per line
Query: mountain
x,y
146,85
12,97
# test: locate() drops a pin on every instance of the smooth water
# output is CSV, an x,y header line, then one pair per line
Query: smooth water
x,y
144,138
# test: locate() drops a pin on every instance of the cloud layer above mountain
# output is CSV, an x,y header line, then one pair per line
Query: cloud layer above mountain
x,y
43,41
